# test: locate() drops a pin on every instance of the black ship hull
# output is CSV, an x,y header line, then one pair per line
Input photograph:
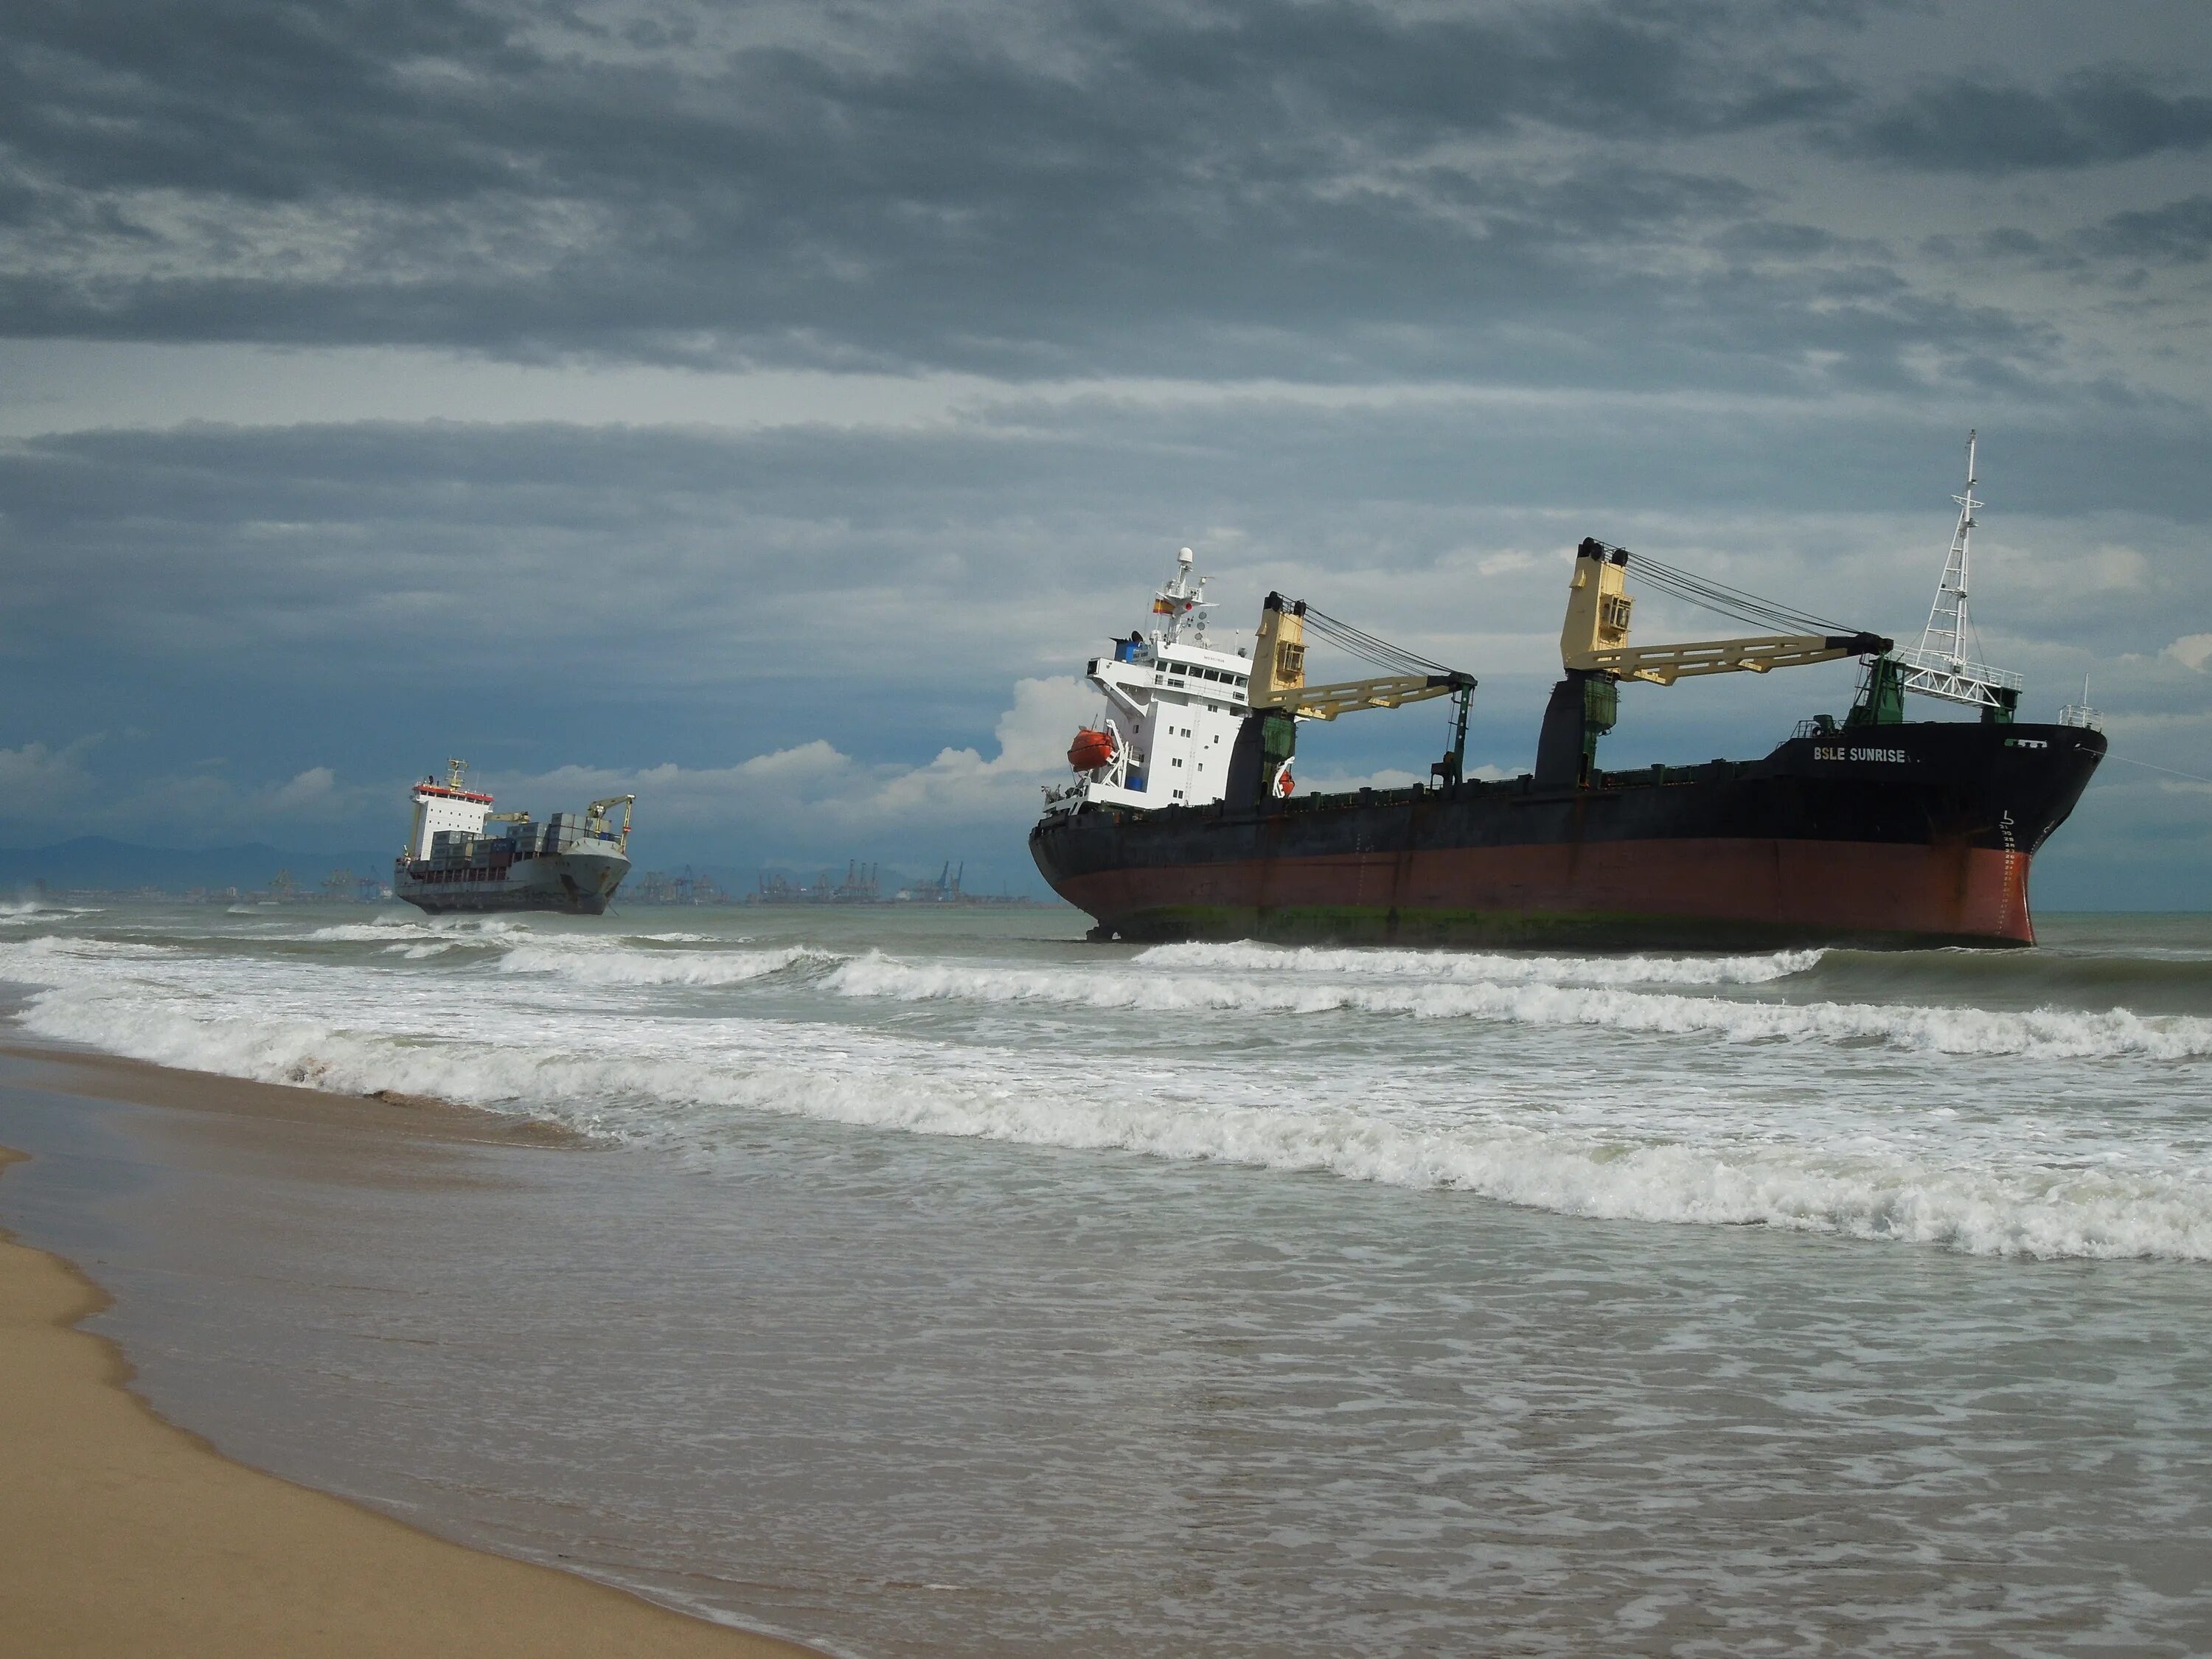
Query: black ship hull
x,y
1907,835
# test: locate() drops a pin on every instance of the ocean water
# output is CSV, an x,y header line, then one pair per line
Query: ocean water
x,y
942,1284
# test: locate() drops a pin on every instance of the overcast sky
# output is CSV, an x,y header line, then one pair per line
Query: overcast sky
x,y
769,407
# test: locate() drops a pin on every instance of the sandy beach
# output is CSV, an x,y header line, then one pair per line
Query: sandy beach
x,y
122,1534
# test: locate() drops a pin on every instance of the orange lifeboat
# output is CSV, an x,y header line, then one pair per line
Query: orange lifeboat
x,y
1090,750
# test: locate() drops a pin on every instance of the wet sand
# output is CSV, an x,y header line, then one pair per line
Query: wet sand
x,y
122,1534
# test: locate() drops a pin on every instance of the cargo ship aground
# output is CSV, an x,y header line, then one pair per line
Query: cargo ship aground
x,y
461,855
1183,822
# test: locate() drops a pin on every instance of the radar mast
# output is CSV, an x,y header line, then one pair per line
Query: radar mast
x,y
1942,664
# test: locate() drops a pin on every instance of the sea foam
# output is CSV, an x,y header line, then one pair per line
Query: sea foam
x,y
2049,1132
15,913
658,1094
2045,1033
1244,956
617,965
468,930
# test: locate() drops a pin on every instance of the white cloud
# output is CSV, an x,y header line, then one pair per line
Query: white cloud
x,y
312,794
2108,565
815,790
36,777
204,807
814,793
2192,651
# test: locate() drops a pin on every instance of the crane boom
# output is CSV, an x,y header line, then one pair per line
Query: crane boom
x,y
597,818
1326,702
1279,673
1594,649
1662,665
1594,639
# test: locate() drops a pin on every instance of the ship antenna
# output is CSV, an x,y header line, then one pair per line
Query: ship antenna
x,y
1946,633
2081,714
1941,665
456,770
1176,599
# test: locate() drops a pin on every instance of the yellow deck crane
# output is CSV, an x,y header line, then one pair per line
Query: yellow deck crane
x,y
1280,696
1594,651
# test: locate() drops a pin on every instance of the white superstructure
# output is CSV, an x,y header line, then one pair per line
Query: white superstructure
x,y
444,807
1174,703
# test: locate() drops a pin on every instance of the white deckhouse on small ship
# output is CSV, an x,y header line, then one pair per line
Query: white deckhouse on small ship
x,y
461,855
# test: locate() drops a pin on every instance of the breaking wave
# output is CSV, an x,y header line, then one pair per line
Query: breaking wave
x,y
1489,968
56,959
684,1102
619,966
1763,1090
16,912
2048,1033
470,930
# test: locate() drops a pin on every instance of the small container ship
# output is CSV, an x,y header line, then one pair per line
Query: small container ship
x,y
1183,820
461,855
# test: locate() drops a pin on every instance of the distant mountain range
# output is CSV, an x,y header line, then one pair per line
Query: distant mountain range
x,y
96,861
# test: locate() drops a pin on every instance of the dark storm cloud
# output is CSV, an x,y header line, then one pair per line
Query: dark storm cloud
x,y
2170,236
1662,272
677,559
361,596
430,102
1340,187
2088,118
2178,232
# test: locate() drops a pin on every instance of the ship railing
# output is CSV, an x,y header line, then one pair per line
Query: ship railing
x,y
1653,776
1935,663
2081,714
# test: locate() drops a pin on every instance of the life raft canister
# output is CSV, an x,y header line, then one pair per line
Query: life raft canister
x,y
1090,750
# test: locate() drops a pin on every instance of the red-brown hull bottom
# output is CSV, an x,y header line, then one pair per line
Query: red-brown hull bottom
x,y
1688,892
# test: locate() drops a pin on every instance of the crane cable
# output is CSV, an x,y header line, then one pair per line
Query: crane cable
x,y
1726,601
1358,642
1705,594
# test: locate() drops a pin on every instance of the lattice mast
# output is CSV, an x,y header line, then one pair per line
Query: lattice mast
x,y
1947,617
1942,664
